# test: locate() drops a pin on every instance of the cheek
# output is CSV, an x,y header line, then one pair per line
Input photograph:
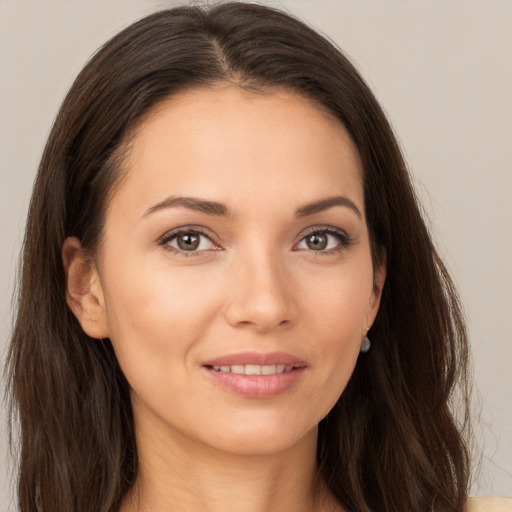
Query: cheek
x,y
339,302
156,319
337,316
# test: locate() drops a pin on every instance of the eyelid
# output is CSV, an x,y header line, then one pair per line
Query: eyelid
x,y
344,238
199,230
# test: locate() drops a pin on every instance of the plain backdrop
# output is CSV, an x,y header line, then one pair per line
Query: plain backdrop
x,y
442,71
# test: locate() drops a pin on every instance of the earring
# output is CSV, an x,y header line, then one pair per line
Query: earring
x,y
365,344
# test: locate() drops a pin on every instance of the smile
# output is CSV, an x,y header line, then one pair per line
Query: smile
x,y
256,375
254,369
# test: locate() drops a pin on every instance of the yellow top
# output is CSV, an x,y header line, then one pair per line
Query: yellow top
x,y
489,505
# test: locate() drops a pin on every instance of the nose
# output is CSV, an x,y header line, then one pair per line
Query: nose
x,y
261,294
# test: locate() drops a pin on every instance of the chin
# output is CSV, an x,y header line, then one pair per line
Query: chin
x,y
259,439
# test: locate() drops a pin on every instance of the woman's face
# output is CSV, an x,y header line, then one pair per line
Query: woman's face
x,y
236,244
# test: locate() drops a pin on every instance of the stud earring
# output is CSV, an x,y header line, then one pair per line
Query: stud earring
x,y
365,344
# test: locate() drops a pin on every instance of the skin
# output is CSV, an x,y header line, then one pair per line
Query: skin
x,y
253,284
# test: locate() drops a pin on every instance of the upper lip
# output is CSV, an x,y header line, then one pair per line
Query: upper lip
x,y
256,358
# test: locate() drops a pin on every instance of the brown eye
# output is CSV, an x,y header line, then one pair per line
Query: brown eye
x,y
326,241
317,241
188,241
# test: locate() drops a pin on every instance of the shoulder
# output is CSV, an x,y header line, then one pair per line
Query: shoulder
x,y
489,505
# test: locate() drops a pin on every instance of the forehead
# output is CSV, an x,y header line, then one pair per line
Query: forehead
x,y
230,143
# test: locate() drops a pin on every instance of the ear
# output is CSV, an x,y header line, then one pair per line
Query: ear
x,y
84,293
379,278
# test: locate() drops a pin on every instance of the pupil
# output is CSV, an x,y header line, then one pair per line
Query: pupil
x,y
317,242
188,242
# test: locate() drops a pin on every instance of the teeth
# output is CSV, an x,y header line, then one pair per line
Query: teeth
x,y
254,369
268,370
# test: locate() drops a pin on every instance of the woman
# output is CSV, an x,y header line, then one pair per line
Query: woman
x,y
221,214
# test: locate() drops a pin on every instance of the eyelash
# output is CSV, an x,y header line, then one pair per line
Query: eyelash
x,y
344,240
186,230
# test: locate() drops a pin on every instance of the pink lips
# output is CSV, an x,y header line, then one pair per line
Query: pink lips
x,y
256,386
258,358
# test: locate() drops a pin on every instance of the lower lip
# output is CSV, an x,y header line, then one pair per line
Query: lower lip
x,y
257,386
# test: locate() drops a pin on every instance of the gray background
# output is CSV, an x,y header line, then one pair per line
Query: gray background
x,y
443,72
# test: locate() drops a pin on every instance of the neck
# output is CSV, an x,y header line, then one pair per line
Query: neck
x,y
176,473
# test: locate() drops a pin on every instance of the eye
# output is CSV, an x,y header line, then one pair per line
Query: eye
x,y
324,240
188,241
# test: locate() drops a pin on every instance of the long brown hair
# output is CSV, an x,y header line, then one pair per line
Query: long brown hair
x,y
391,442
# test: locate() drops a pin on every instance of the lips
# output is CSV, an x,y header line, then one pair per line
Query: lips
x,y
256,375
258,359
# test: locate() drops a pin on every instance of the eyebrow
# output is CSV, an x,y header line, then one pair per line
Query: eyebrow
x,y
221,210
325,204
192,203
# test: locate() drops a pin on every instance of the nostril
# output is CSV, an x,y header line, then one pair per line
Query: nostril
x,y
264,304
